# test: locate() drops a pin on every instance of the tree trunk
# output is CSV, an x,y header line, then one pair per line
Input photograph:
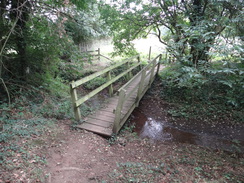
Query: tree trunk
x,y
2,8
21,10
195,18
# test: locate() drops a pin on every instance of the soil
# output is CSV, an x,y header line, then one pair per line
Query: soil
x,y
79,156
152,116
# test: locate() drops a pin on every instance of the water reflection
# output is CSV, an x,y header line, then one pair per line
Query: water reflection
x,y
158,130
154,130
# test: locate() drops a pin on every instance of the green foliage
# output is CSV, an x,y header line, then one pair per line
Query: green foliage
x,y
181,164
212,91
189,29
137,172
113,139
24,127
86,110
96,82
39,46
86,25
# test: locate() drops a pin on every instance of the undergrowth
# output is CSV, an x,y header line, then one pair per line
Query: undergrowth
x,y
183,164
211,93
25,126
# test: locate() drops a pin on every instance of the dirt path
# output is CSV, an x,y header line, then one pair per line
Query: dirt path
x,y
79,156
82,156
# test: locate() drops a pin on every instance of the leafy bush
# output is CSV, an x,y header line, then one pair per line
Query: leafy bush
x,y
203,89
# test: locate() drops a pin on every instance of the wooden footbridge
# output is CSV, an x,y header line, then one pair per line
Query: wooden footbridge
x,y
113,115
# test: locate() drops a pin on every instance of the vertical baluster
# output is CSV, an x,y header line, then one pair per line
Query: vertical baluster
x,y
110,87
140,88
118,111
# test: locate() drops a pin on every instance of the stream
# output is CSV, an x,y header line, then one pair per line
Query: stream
x,y
151,122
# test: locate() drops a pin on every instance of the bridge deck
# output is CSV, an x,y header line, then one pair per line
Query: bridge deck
x,y
102,121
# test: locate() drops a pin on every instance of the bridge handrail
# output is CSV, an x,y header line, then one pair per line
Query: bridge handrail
x,y
100,88
124,95
73,85
138,74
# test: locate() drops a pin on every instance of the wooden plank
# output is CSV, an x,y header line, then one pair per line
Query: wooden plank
x,y
109,110
111,104
106,57
89,51
126,116
141,84
105,113
104,122
105,119
96,129
99,123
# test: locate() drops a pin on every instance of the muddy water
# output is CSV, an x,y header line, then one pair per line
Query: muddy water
x,y
159,129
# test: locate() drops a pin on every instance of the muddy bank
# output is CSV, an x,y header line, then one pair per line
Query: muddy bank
x,y
151,120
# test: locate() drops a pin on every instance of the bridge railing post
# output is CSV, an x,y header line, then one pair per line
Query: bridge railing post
x,y
139,60
140,88
160,57
99,53
152,71
150,50
110,87
74,98
118,111
129,75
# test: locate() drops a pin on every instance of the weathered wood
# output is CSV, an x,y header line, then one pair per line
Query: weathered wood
x,y
112,117
126,116
152,71
149,56
99,73
159,64
139,60
129,75
140,86
91,51
74,98
105,85
132,79
105,57
96,129
99,52
103,112
110,87
99,122
118,111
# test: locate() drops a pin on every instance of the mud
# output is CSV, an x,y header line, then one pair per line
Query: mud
x,y
151,121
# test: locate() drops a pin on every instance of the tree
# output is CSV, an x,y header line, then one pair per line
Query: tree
x,y
86,25
34,35
189,28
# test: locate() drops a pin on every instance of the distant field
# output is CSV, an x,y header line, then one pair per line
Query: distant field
x,y
141,45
